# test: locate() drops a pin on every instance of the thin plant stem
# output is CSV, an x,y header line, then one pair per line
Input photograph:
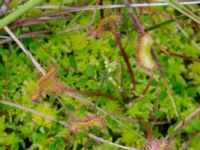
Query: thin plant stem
x,y
165,81
68,10
184,122
124,55
37,20
110,143
178,55
116,6
32,111
134,120
147,87
192,115
135,19
68,90
37,65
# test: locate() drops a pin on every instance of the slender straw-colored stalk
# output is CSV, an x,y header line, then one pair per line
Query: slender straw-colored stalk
x,y
165,81
37,65
32,111
187,119
110,143
17,13
114,6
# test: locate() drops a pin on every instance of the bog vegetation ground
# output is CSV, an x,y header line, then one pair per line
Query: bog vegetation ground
x,y
99,75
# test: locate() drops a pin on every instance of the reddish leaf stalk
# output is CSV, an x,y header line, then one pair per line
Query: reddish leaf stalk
x,y
178,55
135,19
147,87
150,136
67,90
155,144
119,44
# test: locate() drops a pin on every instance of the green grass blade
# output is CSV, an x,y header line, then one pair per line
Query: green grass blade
x,y
183,9
17,13
154,27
